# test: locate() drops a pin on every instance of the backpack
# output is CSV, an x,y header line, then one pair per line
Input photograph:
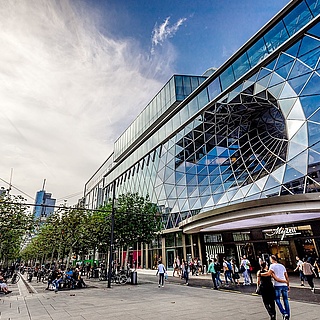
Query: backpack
x,y
229,266
217,266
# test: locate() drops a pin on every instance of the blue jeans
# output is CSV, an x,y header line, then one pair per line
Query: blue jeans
x,y
218,278
282,291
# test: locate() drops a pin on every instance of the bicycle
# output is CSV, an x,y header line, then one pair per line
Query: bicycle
x,y
12,279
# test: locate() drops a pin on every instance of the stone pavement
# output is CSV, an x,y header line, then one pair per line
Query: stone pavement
x,y
142,301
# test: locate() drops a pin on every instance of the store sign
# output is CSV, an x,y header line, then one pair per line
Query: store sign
x,y
283,232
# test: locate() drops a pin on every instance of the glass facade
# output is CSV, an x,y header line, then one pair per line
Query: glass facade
x,y
249,131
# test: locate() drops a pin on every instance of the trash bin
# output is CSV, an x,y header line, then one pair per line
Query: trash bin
x,y
134,277
96,273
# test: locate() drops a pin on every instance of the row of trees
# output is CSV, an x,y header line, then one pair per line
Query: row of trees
x,y
15,223
76,231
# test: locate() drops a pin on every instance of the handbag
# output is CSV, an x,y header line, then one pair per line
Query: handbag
x,y
166,276
242,269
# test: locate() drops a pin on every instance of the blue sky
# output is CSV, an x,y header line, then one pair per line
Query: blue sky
x,y
212,30
74,74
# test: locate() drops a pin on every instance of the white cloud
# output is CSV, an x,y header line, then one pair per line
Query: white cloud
x,y
164,31
66,92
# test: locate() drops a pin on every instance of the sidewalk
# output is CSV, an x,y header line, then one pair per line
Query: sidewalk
x,y
143,301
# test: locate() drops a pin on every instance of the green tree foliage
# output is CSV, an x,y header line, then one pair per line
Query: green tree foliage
x,y
136,220
15,222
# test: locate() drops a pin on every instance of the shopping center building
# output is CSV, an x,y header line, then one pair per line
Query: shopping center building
x,y
232,157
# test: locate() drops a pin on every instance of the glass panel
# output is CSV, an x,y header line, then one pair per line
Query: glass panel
x,y
314,6
227,78
313,86
298,70
187,86
276,36
308,44
179,88
257,52
298,83
297,18
315,31
214,88
241,66
310,104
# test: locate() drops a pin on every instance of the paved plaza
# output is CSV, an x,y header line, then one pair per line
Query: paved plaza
x,y
142,301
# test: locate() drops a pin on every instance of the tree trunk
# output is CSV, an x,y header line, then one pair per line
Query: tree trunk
x,y
69,258
126,259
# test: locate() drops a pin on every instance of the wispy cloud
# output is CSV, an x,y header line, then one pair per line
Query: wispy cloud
x,y
67,91
165,31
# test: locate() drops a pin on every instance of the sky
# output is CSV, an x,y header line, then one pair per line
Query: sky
x,y
75,73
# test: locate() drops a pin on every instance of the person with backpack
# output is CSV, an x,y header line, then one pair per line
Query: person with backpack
x,y
244,269
227,270
212,270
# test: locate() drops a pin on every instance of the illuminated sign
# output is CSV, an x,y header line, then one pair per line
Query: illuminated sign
x,y
291,231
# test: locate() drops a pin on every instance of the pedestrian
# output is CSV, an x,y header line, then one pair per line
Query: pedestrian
x,y
176,266
161,271
299,268
316,267
279,272
212,270
227,270
186,272
217,267
235,273
244,269
309,273
266,289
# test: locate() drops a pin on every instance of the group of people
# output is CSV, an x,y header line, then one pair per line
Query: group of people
x,y
3,285
70,277
307,270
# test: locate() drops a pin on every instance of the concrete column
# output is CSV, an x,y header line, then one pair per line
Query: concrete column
x,y
142,254
192,251
147,256
184,249
163,250
199,248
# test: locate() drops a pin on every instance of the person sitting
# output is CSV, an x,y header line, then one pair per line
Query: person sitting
x,y
3,286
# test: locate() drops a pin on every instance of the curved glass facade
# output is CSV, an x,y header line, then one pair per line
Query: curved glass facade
x,y
250,131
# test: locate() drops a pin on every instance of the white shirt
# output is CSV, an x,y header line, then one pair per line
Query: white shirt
x,y
161,268
279,270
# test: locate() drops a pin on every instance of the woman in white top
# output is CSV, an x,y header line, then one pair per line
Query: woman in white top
x,y
161,271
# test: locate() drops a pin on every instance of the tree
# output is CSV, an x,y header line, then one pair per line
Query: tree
x,y
136,220
15,222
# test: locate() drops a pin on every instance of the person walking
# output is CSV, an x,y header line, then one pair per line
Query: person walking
x,y
266,289
309,273
161,271
186,272
299,268
235,273
212,270
217,268
281,285
176,266
227,270
244,268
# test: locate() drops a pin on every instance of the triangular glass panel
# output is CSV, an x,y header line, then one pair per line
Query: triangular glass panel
x,y
173,194
261,182
284,70
258,88
271,183
301,137
265,81
314,157
283,60
296,112
254,189
293,50
291,174
315,117
313,132
185,206
300,162
298,83
263,73
192,201
245,189
294,149
298,70
276,90
238,195
271,65
217,197
287,92
223,199
310,104
197,205
311,59
313,86
315,31
286,105
293,126
275,79
308,44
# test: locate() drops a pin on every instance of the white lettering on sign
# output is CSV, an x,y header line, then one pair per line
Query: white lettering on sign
x,y
291,231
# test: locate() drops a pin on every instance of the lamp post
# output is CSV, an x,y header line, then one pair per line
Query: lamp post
x,y
111,234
